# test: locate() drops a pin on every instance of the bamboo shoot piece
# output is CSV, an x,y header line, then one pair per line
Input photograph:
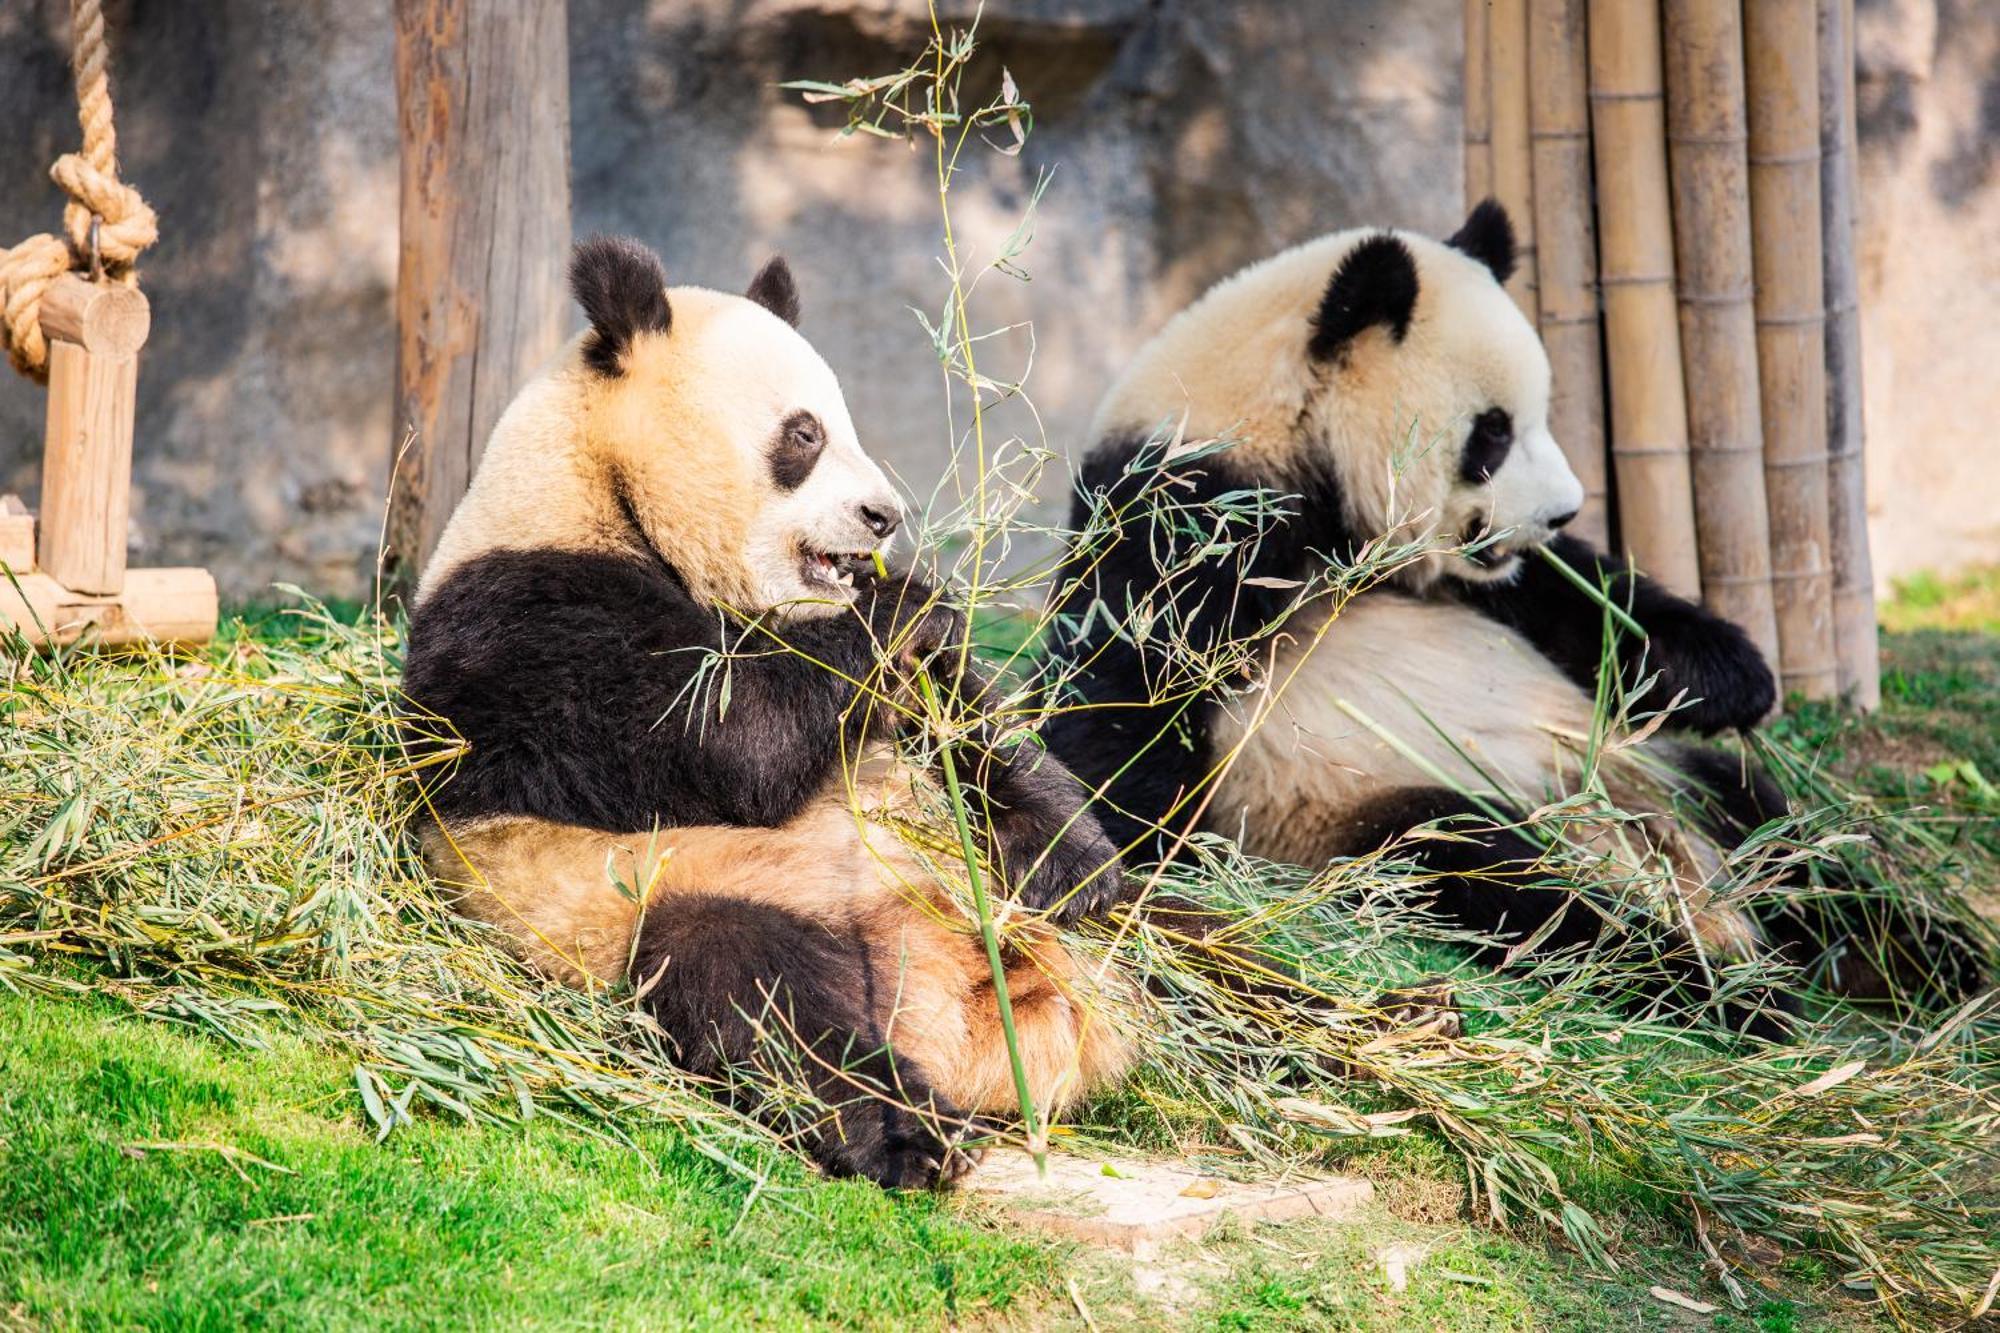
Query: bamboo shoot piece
x,y
1706,141
1566,259
1635,245
1781,56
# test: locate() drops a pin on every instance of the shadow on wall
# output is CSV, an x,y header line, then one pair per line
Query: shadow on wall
x,y
1184,138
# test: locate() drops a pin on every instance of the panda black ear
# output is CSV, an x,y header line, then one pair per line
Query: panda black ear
x,y
774,289
1488,236
1376,283
623,291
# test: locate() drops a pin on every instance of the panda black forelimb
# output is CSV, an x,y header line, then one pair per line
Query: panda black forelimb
x,y
1693,652
613,656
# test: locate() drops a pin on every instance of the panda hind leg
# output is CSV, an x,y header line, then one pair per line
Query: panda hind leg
x,y
1859,944
1486,880
723,975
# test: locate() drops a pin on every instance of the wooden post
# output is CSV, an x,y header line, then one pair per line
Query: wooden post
x,y
1513,165
1781,55
1478,104
1649,440
1566,255
482,96
95,331
1706,139
1855,647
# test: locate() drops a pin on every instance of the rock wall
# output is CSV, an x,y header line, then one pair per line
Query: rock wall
x,y
1180,138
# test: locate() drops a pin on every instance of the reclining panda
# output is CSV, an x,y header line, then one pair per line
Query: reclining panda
x,y
1386,384
685,483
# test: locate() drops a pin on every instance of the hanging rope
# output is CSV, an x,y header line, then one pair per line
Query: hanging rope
x,y
105,223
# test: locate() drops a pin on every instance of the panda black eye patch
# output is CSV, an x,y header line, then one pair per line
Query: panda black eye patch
x,y
798,446
1486,447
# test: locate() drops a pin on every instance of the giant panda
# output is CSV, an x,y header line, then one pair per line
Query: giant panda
x,y
653,623
1388,389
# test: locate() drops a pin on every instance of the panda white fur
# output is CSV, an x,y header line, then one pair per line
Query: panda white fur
x,y
1387,384
685,480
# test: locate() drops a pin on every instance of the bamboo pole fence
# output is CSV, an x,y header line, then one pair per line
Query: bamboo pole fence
x,y
1566,258
1682,174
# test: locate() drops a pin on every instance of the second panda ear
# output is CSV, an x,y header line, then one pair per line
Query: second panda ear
x,y
623,291
774,289
1376,283
1488,236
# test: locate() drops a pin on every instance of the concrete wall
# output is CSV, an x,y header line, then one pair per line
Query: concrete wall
x,y
1185,137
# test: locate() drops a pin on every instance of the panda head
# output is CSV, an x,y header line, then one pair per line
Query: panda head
x,y
1392,363
717,432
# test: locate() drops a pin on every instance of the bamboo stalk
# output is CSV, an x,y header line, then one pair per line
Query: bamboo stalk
x,y
1856,653
1781,57
1566,257
1478,105
1513,163
1635,247
1706,139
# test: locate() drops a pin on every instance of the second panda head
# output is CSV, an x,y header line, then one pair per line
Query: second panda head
x,y
1394,363
724,436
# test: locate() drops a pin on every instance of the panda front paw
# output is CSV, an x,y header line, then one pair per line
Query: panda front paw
x,y
1057,857
1728,684
898,1147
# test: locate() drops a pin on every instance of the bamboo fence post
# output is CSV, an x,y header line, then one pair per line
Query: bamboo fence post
x,y
1855,647
482,97
1478,104
1649,440
1781,56
1513,162
1706,138
1566,256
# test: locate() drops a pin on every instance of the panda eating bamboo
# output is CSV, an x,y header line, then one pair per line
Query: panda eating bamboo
x,y
654,619
1388,389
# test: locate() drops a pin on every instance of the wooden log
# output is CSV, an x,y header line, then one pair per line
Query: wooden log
x,y
95,332
1856,650
1781,56
1478,104
1635,246
1566,257
162,606
17,535
1513,158
482,96
1706,143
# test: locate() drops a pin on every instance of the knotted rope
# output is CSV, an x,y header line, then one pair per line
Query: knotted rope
x,y
105,223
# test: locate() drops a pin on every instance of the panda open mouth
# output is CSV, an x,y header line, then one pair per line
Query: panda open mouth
x,y
835,569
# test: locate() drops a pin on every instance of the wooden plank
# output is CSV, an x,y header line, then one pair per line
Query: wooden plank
x,y
164,606
482,95
17,535
87,467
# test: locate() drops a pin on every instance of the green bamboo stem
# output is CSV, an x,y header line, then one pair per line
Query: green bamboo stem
x,y
1592,591
1038,1146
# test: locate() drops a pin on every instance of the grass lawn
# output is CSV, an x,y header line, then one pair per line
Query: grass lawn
x,y
152,1176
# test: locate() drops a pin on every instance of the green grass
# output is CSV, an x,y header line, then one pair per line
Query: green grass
x,y
276,1209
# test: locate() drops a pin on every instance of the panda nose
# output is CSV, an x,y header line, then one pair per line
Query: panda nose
x,y
1561,521
880,521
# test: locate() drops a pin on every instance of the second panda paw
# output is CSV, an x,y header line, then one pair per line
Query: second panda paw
x,y
898,1147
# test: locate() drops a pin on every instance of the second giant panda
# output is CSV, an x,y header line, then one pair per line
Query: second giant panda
x,y
653,623
1389,389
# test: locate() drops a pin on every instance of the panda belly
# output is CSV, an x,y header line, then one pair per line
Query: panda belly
x,y
569,900
1396,692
